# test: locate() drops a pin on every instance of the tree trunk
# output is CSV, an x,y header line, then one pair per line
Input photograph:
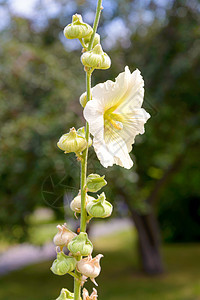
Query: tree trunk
x,y
149,242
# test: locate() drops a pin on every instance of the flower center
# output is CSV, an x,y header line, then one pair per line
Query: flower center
x,y
114,119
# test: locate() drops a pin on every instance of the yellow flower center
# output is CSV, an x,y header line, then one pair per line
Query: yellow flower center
x,y
116,120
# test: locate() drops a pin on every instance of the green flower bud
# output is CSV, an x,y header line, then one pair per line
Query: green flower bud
x,y
77,29
75,205
66,295
81,132
95,41
63,264
80,245
96,58
83,99
95,182
72,142
99,208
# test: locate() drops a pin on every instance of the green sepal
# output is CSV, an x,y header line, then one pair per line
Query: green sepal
x,y
99,208
81,133
65,295
95,182
80,245
63,264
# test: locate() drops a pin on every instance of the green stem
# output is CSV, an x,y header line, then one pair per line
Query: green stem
x,y
84,162
96,22
83,44
83,223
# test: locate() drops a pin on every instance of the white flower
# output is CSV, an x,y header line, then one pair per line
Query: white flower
x,y
115,117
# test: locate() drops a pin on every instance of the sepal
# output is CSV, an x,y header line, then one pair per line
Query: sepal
x,y
72,142
66,295
63,264
95,182
77,29
63,237
80,245
95,42
96,58
99,208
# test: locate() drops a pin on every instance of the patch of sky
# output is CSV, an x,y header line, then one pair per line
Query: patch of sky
x,y
23,8
116,31
69,45
4,18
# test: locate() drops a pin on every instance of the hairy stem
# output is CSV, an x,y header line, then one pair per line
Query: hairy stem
x,y
83,222
96,22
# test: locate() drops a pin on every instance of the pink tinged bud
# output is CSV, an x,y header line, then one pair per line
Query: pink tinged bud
x,y
93,296
90,267
75,205
63,237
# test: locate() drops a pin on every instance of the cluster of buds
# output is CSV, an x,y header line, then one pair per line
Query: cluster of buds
x,y
95,208
94,58
78,246
75,204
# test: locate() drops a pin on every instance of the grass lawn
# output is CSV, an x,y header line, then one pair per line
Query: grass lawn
x,y
120,278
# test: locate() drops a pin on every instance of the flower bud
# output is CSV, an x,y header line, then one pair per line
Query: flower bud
x,y
95,41
96,58
95,182
66,295
63,237
93,296
63,264
83,99
81,245
77,29
81,132
72,142
75,205
90,267
99,208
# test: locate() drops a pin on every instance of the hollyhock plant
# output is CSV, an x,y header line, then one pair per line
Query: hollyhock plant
x,y
114,116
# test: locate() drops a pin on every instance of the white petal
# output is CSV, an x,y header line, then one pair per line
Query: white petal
x,y
134,95
117,146
133,125
93,113
106,158
112,150
110,93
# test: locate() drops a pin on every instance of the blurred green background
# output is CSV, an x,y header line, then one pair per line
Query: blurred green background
x,y
41,79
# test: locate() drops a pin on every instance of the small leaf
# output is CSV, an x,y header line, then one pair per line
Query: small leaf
x,y
95,182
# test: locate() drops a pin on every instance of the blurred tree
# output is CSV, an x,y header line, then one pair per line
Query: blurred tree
x,y
169,59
